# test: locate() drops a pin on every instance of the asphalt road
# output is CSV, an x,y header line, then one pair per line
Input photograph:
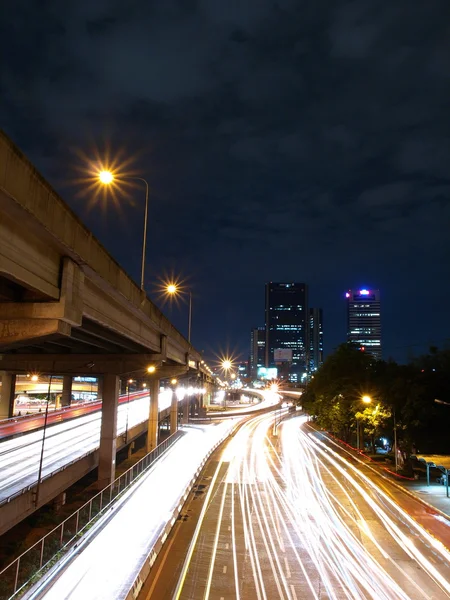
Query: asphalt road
x,y
294,516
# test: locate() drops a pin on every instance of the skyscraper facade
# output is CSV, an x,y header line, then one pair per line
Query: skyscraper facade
x,y
257,350
287,322
364,320
315,339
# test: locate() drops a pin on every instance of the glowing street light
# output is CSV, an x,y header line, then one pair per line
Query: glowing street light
x,y
107,178
226,364
151,369
173,290
367,400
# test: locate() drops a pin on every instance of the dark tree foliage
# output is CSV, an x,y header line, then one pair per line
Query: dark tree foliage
x,y
407,393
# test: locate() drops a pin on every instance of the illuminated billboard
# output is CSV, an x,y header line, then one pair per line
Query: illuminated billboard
x,y
264,373
282,355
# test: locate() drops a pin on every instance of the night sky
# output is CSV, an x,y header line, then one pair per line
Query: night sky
x,y
282,140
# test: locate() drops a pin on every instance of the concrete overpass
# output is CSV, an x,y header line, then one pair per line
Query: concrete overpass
x,y
68,308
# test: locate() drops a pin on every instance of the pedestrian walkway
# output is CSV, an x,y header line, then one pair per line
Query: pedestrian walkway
x,y
433,495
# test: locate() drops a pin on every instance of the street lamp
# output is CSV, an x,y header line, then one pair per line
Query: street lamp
x,y
41,460
395,439
107,178
173,289
367,400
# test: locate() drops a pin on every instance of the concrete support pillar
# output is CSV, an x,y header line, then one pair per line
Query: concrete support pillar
x,y
7,394
152,431
174,413
59,501
66,396
130,450
58,402
108,432
99,388
186,407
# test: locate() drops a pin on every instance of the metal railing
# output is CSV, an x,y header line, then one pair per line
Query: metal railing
x,y
34,562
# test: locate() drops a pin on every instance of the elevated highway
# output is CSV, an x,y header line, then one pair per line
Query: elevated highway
x,y
68,308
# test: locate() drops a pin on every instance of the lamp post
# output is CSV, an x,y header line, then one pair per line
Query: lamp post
x,y
41,461
367,400
395,440
226,365
107,178
173,289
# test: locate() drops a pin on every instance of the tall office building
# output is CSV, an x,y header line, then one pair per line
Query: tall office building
x,y
257,350
364,320
315,339
287,329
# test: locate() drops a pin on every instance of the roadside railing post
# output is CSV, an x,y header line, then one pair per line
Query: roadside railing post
x,y
42,553
17,575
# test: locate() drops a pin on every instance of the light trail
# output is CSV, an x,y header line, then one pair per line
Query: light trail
x,y
109,565
312,524
65,442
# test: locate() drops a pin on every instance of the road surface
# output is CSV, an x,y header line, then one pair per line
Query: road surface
x,y
293,516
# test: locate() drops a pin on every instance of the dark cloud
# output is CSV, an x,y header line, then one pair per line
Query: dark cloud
x,y
282,139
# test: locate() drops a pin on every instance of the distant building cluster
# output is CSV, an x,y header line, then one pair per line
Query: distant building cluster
x,y
289,346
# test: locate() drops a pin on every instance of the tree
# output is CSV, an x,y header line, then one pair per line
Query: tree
x,y
335,392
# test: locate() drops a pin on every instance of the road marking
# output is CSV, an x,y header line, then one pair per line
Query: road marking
x,y
294,595
229,527
224,570
288,571
227,546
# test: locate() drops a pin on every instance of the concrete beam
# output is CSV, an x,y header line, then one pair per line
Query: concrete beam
x,y
68,309
26,259
22,330
78,364
168,371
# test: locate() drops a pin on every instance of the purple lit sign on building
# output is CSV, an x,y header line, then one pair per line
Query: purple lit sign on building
x,y
347,295
364,292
